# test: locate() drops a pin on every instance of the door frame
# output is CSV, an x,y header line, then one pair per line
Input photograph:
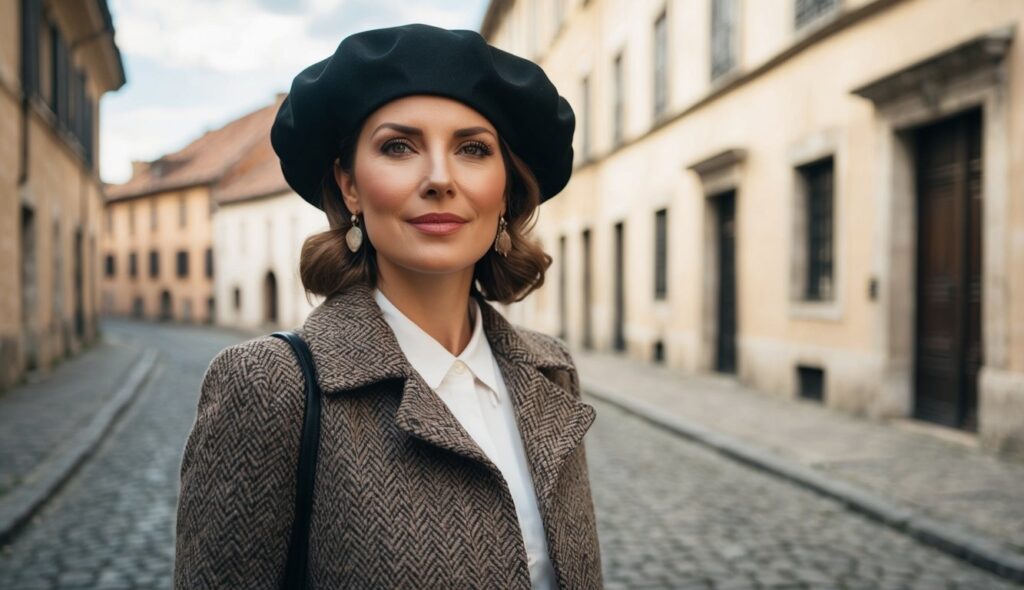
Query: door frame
x,y
719,173
970,75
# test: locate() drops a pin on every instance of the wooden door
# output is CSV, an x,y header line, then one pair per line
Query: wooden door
x,y
947,350
588,334
725,230
619,308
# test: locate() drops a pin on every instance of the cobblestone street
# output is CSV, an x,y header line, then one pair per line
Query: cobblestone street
x,y
671,514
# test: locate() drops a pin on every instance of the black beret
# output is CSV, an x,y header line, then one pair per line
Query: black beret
x,y
331,98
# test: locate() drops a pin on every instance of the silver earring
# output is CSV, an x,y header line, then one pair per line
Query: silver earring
x,y
503,243
354,236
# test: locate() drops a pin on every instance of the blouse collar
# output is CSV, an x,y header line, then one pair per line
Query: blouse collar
x,y
429,357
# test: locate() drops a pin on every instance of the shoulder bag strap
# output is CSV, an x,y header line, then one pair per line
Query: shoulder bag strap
x,y
298,551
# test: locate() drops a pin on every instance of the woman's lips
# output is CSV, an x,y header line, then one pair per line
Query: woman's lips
x,y
437,228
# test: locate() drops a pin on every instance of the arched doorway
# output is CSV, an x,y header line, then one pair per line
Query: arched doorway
x,y
166,308
270,298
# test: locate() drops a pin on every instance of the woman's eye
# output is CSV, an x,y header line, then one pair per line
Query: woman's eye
x,y
478,149
386,148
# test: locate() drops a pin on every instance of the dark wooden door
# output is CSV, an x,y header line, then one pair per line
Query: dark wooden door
x,y
619,335
588,334
948,351
725,218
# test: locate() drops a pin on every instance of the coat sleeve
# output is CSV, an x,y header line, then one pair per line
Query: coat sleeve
x,y
235,506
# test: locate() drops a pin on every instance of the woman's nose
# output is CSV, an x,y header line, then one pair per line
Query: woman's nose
x,y
439,178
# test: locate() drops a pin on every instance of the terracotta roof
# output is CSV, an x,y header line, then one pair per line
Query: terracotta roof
x,y
256,174
212,159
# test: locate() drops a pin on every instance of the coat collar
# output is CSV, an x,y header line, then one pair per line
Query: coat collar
x,y
353,346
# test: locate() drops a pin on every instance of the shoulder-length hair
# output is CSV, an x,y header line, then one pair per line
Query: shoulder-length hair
x,y
328,267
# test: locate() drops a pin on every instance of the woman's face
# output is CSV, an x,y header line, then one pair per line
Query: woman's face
x,y
419,155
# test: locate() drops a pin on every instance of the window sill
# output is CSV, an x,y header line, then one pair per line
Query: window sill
x,y
816,310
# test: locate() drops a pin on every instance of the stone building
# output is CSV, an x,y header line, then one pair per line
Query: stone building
x,y
259,226
210,233
820,197
57,59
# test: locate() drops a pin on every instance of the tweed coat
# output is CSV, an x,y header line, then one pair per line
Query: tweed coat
x,y
404,497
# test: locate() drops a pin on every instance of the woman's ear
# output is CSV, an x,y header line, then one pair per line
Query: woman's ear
x,y
346,182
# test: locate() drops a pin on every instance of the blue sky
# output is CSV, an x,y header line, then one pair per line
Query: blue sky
x,y
194,65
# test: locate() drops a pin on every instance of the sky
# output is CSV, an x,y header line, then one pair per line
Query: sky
x,y
195,65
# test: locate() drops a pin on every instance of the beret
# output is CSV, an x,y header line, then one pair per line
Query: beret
x,y
331,98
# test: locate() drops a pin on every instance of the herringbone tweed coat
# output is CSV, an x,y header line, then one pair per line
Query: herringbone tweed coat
x,y
404,497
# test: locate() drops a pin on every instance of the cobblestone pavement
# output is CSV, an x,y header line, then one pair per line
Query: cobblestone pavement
x,y
36,417
949,481
670,514
112,526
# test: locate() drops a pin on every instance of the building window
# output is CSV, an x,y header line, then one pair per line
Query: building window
x,y
585,117
238,298
182,263
131,218
660,65
31,23
182,212
111,265
110,220
152,215
133,265
60,77
82,119
209,263
811,382
618,99
723,36
660,253
807,11
154,264
817,180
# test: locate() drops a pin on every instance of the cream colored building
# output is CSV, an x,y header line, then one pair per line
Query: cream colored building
x,y
215,233
57,60
822,197
260,225
158,241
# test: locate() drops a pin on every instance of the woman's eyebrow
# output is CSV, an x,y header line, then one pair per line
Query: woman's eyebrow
x,y
417,131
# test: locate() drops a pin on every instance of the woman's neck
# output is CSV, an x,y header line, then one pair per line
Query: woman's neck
x,y
438,304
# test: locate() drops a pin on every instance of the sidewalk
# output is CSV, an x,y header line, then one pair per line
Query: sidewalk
x,y
946,493
49,424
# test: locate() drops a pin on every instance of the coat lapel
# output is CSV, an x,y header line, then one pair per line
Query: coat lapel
x,y
353,346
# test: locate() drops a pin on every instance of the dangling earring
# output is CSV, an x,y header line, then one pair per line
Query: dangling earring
x,y
503,243
354,236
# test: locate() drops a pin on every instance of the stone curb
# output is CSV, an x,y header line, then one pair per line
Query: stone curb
x,y
19,505
977,550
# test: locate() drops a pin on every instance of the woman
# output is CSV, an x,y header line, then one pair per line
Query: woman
x,y
451,451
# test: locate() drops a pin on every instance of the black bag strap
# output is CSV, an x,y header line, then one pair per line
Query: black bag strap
x,y
297,565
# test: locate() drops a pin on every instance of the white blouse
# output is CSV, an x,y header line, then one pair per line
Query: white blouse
x,y
472,387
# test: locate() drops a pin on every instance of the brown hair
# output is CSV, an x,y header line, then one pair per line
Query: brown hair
x,y
328,267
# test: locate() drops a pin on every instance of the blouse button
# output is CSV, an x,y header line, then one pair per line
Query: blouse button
x,y
459,367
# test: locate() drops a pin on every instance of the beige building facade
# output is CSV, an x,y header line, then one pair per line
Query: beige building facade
x,y
822,198
210,234
260,225
57,60
158,241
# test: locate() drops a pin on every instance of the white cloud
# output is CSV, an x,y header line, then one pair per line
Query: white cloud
x,y
216,56
147,133
226,35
